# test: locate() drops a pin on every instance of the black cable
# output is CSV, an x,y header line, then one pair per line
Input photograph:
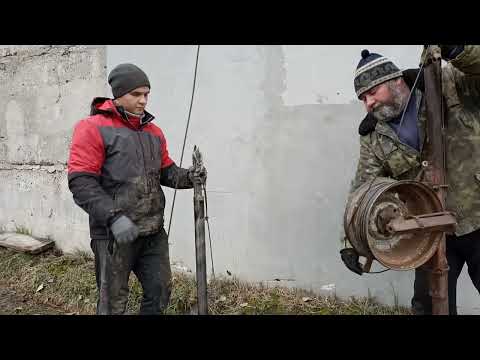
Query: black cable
x,y
208,226
411,92
184,139
377,272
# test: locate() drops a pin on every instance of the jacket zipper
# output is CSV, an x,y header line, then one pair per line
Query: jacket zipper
x,y
146,187
147,190
152,147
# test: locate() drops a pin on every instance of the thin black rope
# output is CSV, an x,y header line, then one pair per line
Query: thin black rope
x,y
377,272
184,140
181,161
208,227
413,88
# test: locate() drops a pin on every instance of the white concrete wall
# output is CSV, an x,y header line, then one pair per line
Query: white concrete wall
x,y
44,92
278,129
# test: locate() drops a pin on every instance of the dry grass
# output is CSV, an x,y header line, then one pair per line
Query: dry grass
x,y
64,281
23,230
68,282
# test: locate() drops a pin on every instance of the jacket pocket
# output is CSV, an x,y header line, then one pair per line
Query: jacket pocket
x,y
400,162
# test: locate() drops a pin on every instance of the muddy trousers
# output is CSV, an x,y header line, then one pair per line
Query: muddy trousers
x,y
148,258
459,250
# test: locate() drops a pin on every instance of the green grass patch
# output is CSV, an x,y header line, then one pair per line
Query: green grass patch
x,y
68,282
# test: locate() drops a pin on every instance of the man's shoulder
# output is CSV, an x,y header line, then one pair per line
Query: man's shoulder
x,y
367,140
95,120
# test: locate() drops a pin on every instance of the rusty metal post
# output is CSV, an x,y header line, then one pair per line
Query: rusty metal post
x,y
200,253
435,173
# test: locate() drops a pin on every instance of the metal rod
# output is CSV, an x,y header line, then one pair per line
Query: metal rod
x,y
436,171
439,280
200,253
444,222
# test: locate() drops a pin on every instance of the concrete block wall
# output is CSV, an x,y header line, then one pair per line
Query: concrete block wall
x,y
43,92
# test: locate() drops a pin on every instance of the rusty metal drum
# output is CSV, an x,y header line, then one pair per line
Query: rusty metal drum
x,y
371,208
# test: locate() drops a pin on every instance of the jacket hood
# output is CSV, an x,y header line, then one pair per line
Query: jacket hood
x,y
106,106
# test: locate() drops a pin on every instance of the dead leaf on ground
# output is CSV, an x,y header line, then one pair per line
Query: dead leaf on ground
x,y
40,288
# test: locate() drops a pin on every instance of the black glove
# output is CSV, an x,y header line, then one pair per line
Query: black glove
x,y
450,52
197,175
124,230
350,259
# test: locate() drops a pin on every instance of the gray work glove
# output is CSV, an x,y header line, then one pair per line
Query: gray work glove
x,y
124,230
197,176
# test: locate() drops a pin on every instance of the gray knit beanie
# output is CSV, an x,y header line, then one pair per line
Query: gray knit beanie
x,y
372,70
125,78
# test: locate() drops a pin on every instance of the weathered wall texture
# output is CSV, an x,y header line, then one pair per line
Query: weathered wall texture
x,y
278,129
43,92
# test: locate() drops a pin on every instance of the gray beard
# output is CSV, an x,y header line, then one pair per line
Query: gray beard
x,y
387,112
391,111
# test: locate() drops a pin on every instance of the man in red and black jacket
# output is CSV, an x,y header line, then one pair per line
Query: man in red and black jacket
x,y
118,162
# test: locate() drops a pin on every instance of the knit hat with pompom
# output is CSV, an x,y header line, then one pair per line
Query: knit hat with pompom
x,y
372,70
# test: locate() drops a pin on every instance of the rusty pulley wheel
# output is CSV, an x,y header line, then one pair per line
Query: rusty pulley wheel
x,y
375,206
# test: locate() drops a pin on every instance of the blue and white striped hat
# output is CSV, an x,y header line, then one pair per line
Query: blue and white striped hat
x,y
372,70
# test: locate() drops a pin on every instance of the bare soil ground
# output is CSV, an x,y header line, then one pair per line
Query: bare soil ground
x,y
13,303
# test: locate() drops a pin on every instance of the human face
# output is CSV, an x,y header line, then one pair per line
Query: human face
x,y
385,101
135,101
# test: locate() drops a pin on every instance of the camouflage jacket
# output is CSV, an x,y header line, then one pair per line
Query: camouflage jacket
x,y
383,154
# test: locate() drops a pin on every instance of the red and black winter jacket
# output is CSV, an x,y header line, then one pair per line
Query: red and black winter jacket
x,y
116,168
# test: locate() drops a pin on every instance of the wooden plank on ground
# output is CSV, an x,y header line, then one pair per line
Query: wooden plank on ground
x,y
25,243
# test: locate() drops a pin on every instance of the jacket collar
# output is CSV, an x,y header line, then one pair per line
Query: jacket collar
x,y
106,106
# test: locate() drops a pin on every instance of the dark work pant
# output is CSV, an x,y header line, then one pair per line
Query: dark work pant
x,y
460,250
148,258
